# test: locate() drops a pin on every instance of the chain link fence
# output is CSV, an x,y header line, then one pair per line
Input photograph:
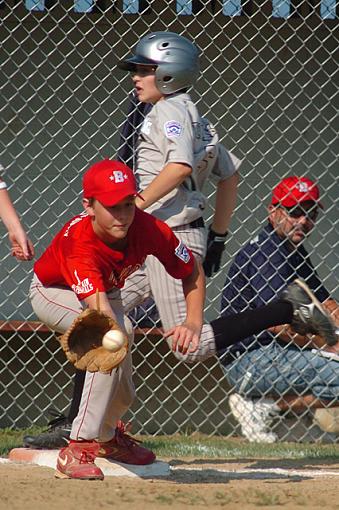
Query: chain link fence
x,y
269,84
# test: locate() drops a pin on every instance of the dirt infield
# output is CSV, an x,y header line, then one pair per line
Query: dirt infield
x,y
214,484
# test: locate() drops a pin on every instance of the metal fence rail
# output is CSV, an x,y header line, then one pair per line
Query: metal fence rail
x,y
269,83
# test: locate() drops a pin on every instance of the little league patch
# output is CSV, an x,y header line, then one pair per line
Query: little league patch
x,y
173,129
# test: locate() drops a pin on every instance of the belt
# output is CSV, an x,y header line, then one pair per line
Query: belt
x,y
198,223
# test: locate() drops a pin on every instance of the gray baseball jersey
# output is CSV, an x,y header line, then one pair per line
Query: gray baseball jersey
x,y
174,132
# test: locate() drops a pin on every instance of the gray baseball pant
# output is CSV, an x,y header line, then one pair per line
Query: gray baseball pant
x,y
105,397
153,280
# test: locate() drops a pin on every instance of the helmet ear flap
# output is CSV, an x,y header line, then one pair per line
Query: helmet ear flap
x,y
170,78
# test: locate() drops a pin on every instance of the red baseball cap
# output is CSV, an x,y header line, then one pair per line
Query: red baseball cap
x,y
293,190
109,181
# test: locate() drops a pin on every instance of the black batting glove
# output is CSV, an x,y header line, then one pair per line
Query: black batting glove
x,y
215,248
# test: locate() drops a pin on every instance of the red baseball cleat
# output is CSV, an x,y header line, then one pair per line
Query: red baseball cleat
x,y
77,461
123,448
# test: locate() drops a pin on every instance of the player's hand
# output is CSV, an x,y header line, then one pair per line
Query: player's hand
x,y
22,248
185,337
215,248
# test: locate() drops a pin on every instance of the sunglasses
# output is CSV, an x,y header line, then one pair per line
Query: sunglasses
x,y
298,212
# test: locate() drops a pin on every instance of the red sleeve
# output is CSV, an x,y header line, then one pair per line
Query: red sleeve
x,y
71,260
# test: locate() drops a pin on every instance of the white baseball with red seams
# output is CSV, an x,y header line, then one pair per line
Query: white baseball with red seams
x,y
113,340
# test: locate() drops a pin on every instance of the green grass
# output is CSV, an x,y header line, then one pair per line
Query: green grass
x,y
202,447
221,448
13,438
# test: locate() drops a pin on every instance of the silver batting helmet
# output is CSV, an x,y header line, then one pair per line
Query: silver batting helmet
x,y
176,60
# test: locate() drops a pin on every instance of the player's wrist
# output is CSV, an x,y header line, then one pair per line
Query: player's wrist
x,y
217,236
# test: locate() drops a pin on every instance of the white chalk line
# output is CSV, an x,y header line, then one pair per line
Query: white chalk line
x,y
259,473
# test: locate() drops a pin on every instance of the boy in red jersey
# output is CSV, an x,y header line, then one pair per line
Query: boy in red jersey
x,y
99,249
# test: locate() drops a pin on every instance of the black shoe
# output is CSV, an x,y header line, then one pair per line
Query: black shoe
x,y
56,436
308,314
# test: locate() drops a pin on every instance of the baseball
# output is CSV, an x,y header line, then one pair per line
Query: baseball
x,y
113,340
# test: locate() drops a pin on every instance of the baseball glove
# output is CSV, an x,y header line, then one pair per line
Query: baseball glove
x,y
82,343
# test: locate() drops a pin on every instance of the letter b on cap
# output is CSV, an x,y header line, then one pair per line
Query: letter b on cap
x,y
118,176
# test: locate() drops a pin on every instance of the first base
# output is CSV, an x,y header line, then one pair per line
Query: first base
x,y
48,458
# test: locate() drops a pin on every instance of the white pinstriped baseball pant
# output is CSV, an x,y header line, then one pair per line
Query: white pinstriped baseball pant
x,y
153,280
